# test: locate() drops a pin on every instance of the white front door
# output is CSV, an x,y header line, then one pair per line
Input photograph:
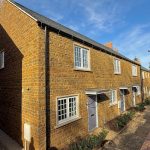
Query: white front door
x,y
134,90
122,101
134,95
92,112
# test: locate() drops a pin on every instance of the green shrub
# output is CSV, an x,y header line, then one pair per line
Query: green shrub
x,y
89,142
124,119
140,107
147,102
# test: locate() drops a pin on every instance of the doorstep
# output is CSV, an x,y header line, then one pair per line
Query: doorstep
x,y
146,145
7,143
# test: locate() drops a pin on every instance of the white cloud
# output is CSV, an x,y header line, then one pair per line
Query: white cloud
x,y
135,43
102,14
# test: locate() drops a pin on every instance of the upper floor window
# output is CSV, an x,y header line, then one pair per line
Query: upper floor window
x,y
134,70
113,97
81,58
67,109
117,66
1,59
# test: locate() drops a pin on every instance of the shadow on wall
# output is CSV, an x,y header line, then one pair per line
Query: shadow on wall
x,y
11,88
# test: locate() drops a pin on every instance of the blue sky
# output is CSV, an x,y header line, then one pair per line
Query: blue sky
x,y
124,22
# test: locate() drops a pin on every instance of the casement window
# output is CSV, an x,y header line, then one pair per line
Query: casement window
x,y
1,59
113,97
143,77
67,109
81,58
117,66
134,70
138,90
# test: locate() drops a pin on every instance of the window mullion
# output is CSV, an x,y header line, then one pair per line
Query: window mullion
x,y
81,57
68,108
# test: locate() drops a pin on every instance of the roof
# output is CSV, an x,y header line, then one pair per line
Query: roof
x,y
145,69
50,23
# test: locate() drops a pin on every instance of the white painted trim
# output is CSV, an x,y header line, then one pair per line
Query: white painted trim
x,y
96,113
88,57
134,74
22,10
134,98
66,121
90,92
119,64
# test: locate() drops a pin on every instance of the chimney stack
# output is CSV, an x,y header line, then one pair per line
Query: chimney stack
x,y
110,45
137,60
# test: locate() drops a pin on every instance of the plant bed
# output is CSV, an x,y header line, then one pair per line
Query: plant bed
x,y
140,107
147,102
90,142
120,122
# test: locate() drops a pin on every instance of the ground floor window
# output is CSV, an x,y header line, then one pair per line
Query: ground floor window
x,y
138,90
113,97
67,108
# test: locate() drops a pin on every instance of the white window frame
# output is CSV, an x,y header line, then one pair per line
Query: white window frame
x,y
68,119
138,90
82,67
2,59
112,100
134,70
143,75
117,66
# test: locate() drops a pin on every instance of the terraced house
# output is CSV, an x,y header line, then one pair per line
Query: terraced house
x,y
63,84
145,82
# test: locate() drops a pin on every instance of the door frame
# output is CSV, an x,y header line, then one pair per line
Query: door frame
x,y
96,105
134,98
123,96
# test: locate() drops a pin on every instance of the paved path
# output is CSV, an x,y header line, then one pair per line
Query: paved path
x,y
135,135
7,143
146,145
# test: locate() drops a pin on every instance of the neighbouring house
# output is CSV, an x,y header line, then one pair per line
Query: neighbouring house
x,y
63,84
145,73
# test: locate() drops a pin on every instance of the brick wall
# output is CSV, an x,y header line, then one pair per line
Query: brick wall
x,y
146,84
22,89
22,80
64,80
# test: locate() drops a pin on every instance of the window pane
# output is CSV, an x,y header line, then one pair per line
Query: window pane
x,y
62,114
1,60
85,58
77,56
72,107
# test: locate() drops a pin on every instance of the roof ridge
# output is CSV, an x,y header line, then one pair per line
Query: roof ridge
x,y
51,23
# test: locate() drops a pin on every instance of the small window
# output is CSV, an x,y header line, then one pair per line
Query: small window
x,y
113,97
117,67
134,70
1,60
143,75
138,90
81,58
67,109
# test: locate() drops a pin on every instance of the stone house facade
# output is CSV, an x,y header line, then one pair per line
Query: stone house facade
x,y
145,82
62,83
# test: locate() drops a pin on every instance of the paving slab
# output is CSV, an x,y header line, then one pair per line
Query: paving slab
x,y
7,143
146,145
